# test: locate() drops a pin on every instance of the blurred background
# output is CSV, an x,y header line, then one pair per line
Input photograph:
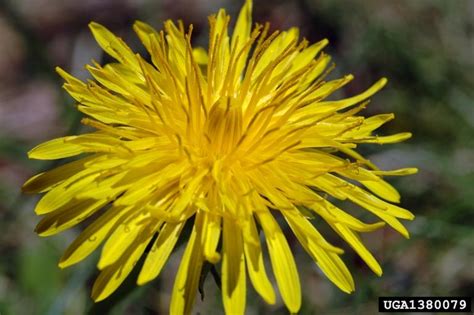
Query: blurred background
x,y
424,47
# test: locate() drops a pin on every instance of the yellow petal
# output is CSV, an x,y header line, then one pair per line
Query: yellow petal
x,y
210,237
125,72
176,40
121,239
333,267
109,80
328,260
107,188
333,214
383,189
399,137
374,183
186,197
91,237
300,223
327,89
267,189
200,56
352,238
387,212
393,222
143,185
306,56
113,45
66,192
363,198
233,269
99,142
219,53
255,265
341,104
111,277
240,37
145,32
47,180
75,213
243,26
398,172
283,263
187,278
369,125
275,50
160,252
370,202
321,63
55,149
69,78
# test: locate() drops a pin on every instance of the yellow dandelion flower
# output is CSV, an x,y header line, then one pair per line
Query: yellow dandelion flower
x,y
230,138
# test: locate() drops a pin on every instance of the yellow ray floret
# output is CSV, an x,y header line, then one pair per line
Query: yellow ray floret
x,y
233,140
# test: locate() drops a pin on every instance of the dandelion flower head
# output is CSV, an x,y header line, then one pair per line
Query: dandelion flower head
x,y
237,140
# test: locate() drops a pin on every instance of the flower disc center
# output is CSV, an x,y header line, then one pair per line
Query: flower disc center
x,y
224,128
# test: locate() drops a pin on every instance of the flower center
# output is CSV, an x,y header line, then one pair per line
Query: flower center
x,y
224,128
